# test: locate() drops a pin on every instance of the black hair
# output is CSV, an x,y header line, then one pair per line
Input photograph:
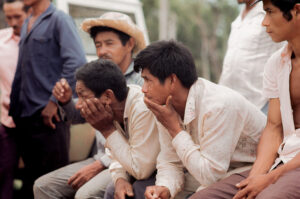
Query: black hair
x,y
100,75
285,7
164,58
11,1
25,8
124,38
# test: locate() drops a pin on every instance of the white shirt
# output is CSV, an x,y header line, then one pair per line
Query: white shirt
x,y
249,48
277,85
221,130
135,149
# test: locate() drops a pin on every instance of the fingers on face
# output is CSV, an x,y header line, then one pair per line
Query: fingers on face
x,y
169,100
91,106
155,108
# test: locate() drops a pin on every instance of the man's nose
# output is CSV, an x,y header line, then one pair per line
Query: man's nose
x,y
102,51
144,88
265,21
14,23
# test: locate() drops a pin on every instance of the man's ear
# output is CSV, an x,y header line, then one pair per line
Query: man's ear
x,y
130,43
174,80
297,9
109,96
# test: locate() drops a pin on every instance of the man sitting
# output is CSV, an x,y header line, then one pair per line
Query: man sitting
x,y
205,129
119,113
276,171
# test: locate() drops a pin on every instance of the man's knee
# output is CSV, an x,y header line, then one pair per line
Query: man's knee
x,y
203,194
40,186
110,191
82,194
86,193
274,194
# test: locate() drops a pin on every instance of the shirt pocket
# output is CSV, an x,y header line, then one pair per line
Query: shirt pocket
x,y
41,46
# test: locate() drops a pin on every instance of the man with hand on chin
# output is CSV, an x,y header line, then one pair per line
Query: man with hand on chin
x,y
128,129
205,129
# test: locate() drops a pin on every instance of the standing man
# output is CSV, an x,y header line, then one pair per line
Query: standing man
x,y
249,48
15,14
204,129
89,178
50,48
276,171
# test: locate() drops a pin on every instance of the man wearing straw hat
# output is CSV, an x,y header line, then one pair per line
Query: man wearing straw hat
x,y
116,38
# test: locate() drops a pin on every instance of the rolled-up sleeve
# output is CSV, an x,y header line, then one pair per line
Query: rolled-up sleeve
x,y
102,153
270,85
169,167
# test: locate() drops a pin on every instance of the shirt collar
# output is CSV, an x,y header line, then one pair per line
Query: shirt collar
x,y
15,37
286,54
129,70
190,107
257,9
134,91
11,36
48,12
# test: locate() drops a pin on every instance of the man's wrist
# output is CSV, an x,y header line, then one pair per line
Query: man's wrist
x,y
64,103
276,173
99,166
175,132
106,132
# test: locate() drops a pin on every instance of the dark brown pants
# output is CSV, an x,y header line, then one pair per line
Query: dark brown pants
x,y
43,149
8,161
286,187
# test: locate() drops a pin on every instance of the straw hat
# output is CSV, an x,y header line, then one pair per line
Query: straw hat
x,y
120,22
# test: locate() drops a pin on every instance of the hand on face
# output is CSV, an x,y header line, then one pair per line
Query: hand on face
x,y
157,192
100,116
123,188
62,91
166,115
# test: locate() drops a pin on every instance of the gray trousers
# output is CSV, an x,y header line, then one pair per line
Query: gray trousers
x,y
54,184
287,186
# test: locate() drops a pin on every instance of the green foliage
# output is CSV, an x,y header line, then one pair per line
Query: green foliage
x,y
202,25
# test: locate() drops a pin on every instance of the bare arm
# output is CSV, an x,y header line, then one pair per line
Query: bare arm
x,y
270,140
